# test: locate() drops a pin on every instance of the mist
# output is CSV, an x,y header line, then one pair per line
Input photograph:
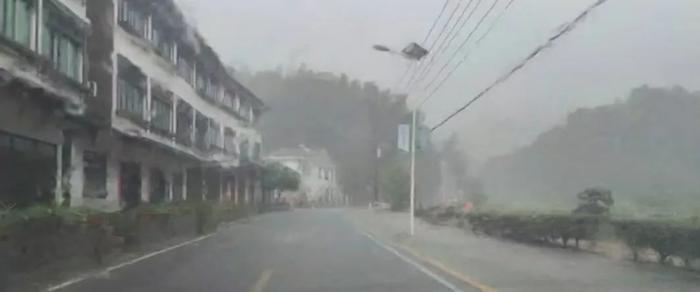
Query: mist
x,y
617,48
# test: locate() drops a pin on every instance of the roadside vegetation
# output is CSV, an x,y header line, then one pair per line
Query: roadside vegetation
x,y
46,241
666,241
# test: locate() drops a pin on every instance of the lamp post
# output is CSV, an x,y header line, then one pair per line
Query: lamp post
x,y
413,52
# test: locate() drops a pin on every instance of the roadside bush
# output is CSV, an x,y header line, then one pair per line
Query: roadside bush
x,y
667,238
536,228
41,235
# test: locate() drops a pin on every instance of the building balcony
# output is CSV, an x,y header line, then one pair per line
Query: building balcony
x,y
26,68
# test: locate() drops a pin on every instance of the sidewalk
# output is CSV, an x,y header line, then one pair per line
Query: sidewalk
x,y
509,266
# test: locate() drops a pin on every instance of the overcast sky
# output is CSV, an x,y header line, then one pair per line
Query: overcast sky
x,y
623,44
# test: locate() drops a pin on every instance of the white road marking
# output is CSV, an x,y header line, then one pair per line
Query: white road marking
x,y
261,284
124,264
420,267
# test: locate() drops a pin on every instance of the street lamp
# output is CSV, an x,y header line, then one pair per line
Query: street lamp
x,y
413,52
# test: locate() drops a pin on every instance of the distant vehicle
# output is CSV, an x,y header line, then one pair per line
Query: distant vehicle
x,y
380,206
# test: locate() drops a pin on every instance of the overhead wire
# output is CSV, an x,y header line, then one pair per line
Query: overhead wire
x,y
465,58
454,55
570,26
464,43
434,56
432,46
425,40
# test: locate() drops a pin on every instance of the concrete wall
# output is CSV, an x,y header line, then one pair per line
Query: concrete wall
x,y
120,151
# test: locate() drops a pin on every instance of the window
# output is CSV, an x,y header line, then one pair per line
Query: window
x,y
61,44
257,148
229,141
209,88
251,115
162,115
131,19
236,103
162,41
159,186
17,20
131,89
95,173
201,83
178,180
184,123
185,70
28,170
214,135
245,151
202,127
229,100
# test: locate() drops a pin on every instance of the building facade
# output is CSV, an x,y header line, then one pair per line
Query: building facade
x,y
43,90
151,113
317,171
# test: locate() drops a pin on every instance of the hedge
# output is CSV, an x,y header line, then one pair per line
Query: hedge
x,y
667,238
41,235
549,228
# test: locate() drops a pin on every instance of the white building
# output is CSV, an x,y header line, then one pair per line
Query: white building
x,y
119,102
319,185
43,90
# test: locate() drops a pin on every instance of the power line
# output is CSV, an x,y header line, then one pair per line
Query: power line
x,y
425,40
466,56
432,46
568,28
495,22
441,49
464,43
435,22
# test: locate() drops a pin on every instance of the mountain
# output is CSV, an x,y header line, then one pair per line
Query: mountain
x,y
645,149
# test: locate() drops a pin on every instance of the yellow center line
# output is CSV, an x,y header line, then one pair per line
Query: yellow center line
x,y
261,284
444,268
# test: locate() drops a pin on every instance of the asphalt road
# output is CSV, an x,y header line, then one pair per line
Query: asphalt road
x,y
303,250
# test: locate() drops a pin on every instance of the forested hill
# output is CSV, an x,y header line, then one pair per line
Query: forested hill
x,y
645,149
346,117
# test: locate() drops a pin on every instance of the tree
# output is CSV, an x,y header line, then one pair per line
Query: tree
x,y
278,177
594,201
395,182
456,163
348,118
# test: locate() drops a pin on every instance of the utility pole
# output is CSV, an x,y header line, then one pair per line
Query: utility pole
x,y
413,171
377,157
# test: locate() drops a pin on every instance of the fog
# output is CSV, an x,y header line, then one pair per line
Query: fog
x,y
622,45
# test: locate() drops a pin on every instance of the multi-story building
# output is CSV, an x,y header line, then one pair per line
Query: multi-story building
x,y
176,124
43,93
317,171
109,103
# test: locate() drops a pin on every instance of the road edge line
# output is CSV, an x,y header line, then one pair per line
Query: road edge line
x,y
415,264
124,264
261,284
447,270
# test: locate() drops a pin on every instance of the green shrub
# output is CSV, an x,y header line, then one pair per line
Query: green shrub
x,y
549,228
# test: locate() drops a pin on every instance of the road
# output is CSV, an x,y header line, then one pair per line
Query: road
x,y
362,250
303,250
